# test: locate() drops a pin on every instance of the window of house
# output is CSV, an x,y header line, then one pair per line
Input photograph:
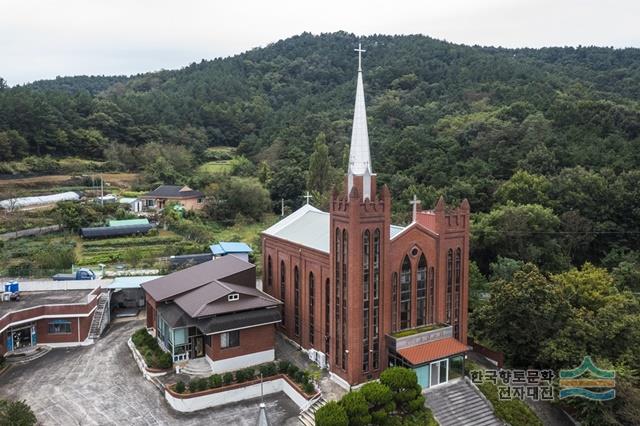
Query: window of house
x,y
230,339
449,285
327,313
269,272
59,326
366,275
282,290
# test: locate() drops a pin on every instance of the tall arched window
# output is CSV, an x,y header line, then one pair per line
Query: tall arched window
x,y
269,273
312,301
394,302
327,314
449,285
366,286
296,301
338,288
421,287
405,294
456,305
283,293
376,299
432,289
345,296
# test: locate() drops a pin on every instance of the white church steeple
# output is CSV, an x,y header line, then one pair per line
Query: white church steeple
x,y
359,155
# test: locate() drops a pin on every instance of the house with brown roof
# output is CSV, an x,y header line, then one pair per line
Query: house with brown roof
x,y
213,311
157,199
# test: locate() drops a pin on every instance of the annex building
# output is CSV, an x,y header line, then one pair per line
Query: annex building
x,y
359,293
213,311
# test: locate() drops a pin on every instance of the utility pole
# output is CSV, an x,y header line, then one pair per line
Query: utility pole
x,y
282,207
101,190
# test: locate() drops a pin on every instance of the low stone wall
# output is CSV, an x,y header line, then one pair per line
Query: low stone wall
x,y
236,392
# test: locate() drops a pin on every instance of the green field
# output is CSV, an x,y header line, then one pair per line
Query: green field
x,y
220,166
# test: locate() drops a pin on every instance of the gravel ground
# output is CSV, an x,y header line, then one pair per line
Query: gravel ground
x,y
101,385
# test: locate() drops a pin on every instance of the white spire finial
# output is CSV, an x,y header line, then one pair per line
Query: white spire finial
x,y
360,51
359,156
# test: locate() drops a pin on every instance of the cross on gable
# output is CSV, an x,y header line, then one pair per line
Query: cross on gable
x,y
308,197
360,51
415,203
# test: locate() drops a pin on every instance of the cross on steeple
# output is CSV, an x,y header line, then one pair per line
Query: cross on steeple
x,y
415,203
308,197
360,51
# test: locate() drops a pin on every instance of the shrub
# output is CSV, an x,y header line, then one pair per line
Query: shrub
x,y
165,361
16,413
215,381
377,394
249,374
180,387
283,366
268,369
357,409
240,376
292,370
416,404
379,417
308,388
331,414
227,378
299,377
193,386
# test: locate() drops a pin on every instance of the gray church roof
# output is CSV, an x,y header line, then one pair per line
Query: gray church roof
x,y
309,227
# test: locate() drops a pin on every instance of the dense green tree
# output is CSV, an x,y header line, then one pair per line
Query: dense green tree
x,y
238,196
331,414
521,314
16,413
524,188
319,178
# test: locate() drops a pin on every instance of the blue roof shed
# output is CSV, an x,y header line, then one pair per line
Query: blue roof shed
x,y
224,248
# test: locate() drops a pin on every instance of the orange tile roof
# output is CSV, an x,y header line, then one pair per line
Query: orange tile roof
x,y
432,351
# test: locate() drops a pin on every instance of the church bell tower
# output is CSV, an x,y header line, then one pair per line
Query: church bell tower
x,y
360,220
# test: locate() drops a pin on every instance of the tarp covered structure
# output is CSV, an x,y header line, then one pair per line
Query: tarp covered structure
x,y
13,203
114,231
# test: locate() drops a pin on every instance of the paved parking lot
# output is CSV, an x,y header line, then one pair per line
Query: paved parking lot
x,y
101,385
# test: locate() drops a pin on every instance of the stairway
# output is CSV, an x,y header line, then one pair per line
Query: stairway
x,y
308,416
95,330
460,404
197,367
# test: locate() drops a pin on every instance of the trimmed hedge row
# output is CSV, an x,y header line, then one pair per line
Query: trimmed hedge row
x,y
148,347
267,370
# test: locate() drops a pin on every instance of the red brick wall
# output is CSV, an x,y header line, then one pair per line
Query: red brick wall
x,y
252,340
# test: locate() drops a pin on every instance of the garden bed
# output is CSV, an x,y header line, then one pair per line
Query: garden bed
x,y
155,359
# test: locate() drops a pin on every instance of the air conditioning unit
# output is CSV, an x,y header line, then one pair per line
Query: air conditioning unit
x,y
312,354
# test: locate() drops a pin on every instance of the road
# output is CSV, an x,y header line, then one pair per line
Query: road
x,y
101,385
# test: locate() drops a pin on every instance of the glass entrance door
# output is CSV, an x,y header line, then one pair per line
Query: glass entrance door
x,y
423,376
439,372
197,346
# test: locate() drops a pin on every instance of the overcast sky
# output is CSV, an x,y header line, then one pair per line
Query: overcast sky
x,y
46,38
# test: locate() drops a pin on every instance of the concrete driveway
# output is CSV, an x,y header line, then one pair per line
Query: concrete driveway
x,y
101,385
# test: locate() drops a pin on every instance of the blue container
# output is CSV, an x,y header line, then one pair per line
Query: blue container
x,y
12,287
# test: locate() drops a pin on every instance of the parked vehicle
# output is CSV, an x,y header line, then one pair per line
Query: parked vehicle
x,y
80,274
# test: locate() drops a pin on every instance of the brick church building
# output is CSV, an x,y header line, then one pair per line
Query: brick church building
x,y
359,293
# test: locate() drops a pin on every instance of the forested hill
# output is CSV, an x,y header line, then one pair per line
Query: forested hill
x,y
550,136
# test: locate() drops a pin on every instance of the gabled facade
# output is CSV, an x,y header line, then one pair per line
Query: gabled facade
x,y
360,293
213,310
183,195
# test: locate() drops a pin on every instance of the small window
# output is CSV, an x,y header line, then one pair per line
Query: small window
x,y
59,327
230,339
200,200
233,297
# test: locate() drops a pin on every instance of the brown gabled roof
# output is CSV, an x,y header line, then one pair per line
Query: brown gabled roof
x,y
203,290
172,285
